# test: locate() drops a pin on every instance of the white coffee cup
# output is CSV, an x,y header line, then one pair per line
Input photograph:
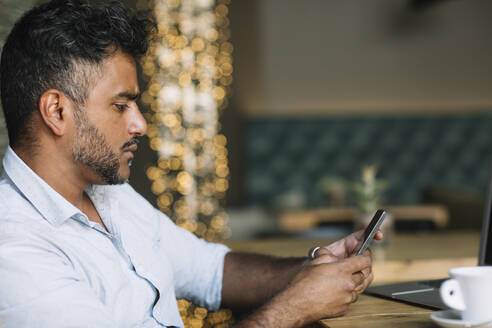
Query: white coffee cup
x,y
470,292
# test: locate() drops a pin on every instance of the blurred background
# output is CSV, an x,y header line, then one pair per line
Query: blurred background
x,y
317,113
320,89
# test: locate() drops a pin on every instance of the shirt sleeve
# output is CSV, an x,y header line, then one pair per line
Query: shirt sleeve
x,y
198,265
39,287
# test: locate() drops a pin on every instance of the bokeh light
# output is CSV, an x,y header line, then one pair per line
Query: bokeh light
x,y
189,72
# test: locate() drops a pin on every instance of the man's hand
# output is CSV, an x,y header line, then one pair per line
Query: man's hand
x,y
345,247
326,289
322,289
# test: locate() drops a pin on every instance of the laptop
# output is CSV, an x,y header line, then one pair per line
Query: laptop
x,y
426,293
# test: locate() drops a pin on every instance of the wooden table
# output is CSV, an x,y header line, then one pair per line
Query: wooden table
x,y
405,257
373,312
308,219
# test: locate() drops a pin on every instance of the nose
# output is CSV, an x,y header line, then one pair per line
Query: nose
x,y
138,125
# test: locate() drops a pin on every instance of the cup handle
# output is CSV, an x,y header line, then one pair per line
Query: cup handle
x,y
451,294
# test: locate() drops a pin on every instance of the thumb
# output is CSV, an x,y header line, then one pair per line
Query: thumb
x,y
324,255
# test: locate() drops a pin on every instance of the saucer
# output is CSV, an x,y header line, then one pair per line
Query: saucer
x,y
452,319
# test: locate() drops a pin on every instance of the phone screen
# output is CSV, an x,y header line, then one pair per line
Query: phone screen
x,y
371,230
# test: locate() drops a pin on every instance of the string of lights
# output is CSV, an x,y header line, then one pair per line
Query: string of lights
x,y
189,72
189,67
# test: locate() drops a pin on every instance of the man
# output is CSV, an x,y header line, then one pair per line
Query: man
x,y
78,246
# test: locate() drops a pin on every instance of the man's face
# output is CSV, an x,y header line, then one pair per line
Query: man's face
x,y
107,127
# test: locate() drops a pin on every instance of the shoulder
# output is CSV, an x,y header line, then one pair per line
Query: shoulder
x,y
15,209
7,190
23,230
26,239
31,265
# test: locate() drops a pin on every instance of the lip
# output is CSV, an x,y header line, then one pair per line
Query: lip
x,y
133,148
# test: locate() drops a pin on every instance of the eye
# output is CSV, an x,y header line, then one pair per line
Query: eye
x,y
121,107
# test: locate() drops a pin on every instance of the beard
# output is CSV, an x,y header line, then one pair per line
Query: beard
x,y
92,149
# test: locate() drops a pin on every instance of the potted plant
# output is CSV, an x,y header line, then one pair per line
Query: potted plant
x,y
368,195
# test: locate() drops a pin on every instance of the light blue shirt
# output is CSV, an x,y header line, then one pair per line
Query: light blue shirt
x,y
58,269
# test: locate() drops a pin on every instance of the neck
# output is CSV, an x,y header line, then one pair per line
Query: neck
x,y
58,170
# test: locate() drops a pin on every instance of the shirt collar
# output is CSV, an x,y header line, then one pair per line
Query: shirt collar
x,y
52,206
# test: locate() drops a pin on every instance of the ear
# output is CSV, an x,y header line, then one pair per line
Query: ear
x,y
56,110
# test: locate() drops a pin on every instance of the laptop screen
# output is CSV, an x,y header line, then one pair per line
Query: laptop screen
x,y
485,253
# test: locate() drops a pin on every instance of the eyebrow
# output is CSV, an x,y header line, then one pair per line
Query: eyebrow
x,y
128,95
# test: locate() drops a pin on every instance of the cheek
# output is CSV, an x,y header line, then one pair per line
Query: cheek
x,y
114,138
117,131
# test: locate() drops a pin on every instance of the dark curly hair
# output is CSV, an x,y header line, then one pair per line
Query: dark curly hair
x,y
59,45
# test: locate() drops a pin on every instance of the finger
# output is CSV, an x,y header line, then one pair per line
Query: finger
x,y
357,263
355,296
358,278
359,235
338,248
366,272
365,284
354,241
355,244
324,257
368,280
359,289
368,253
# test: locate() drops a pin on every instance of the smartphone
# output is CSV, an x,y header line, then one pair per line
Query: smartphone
x,y
371,230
